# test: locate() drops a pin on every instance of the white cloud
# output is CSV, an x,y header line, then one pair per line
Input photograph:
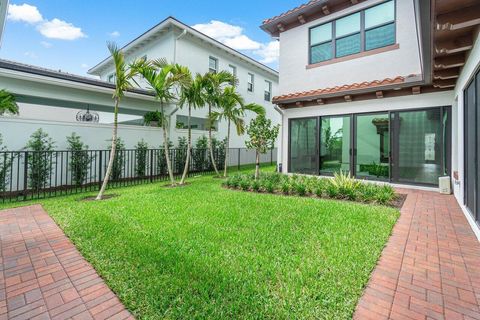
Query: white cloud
x,y
24,13
59,29
46,44
31,55
114,34
84,66
234,37
269,53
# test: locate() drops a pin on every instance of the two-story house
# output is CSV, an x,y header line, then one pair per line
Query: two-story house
x,y
387,90
179,43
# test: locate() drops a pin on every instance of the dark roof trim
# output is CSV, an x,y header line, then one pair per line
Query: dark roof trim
x,y
189,28
20,67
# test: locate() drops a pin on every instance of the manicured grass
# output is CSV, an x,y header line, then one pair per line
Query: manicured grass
x,y
203,251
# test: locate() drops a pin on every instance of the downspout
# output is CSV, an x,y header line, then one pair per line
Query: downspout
x,y
184,32
280,143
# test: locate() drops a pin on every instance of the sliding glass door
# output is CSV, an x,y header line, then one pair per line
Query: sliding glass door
x,y
372,150
303,146
406,146
335,144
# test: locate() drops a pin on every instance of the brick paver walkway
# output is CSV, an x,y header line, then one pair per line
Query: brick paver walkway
x,y
43,276
430,268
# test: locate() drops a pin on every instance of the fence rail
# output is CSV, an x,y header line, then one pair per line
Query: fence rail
x,y
28,175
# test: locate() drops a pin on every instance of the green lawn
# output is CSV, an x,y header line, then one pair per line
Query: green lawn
x,y
202,251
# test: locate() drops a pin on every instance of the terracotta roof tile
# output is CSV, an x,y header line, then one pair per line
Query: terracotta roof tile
x,y
339,89
291,11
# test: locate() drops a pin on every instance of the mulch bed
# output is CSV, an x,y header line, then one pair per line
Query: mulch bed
x,y
105,197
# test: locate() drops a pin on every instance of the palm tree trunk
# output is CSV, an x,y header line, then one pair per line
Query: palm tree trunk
x,y
227,147
257,165
112,152
210,146
165,146
189,147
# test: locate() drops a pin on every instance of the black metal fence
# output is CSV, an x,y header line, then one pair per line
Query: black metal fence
x,y
28,175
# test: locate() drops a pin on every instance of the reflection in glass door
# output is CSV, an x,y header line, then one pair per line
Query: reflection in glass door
x,y
420,148
334,144
372,147
303,146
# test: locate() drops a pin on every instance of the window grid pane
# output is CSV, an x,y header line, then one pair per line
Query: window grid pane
x,y
321,33
380,37
321,52
348,45
380,14
347,25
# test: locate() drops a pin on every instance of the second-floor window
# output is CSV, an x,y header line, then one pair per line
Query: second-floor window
x,y
112,78
361,31
213,65
251,82
233,71
268,90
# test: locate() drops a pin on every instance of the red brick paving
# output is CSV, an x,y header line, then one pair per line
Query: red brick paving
x,y
430,268
43,276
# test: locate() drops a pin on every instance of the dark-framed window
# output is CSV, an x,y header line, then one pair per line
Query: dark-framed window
x,y
268,91
212,65
251,82
364,30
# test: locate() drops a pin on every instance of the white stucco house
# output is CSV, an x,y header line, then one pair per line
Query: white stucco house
x,y
387,90
50,99
180,43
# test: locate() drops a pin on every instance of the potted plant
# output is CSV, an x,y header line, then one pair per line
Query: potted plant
x,y
153,119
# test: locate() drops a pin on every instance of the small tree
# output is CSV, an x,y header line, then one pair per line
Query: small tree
x,y
40,160
180,154
80,159
6,160
119,159
8,103
200,154
141,150
262,138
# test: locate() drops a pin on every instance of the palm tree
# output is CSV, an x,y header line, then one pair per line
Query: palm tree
x,y
233,109
214,85
164,80
122,84
8,103
193,96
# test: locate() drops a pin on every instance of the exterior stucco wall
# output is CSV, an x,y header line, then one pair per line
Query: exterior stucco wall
x,y
294,52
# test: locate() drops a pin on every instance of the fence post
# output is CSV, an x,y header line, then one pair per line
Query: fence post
x,y
238,166
151,165
25,176
100,163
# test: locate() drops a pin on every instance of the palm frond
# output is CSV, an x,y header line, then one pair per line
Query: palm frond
x,y
8,103
255,107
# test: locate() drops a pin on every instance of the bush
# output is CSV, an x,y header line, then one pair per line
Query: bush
x,y
40,159
141,151
119,160
161,161
200,154
341,186
218,147
80,159
181,155
6,161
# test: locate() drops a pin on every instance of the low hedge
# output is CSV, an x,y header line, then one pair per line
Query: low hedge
x,y
341,187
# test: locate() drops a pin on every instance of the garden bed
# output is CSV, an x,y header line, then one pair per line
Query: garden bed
x,y
340,187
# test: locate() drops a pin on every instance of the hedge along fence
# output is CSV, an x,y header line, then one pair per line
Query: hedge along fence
x,y
28,175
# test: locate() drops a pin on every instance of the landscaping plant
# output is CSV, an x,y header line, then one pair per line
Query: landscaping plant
x,y
119,159
8,103
161,156
262,138
153,118
123,78
180,154
200,154
80,159
6,161
233,109
141,152
40,159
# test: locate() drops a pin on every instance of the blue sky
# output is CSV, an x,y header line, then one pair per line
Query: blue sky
x,y
71,35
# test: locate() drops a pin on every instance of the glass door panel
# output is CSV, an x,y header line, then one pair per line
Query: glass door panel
x,y
420,146
303,146
334,144
372,152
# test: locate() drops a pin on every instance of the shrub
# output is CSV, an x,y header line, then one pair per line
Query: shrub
x,y
40,160
385,194
119,160
161,161
181,154
218,147
245,184
299,188
256,185
269,187
200,154
80,159
153,119
141,151
285,186
346,186
6,161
